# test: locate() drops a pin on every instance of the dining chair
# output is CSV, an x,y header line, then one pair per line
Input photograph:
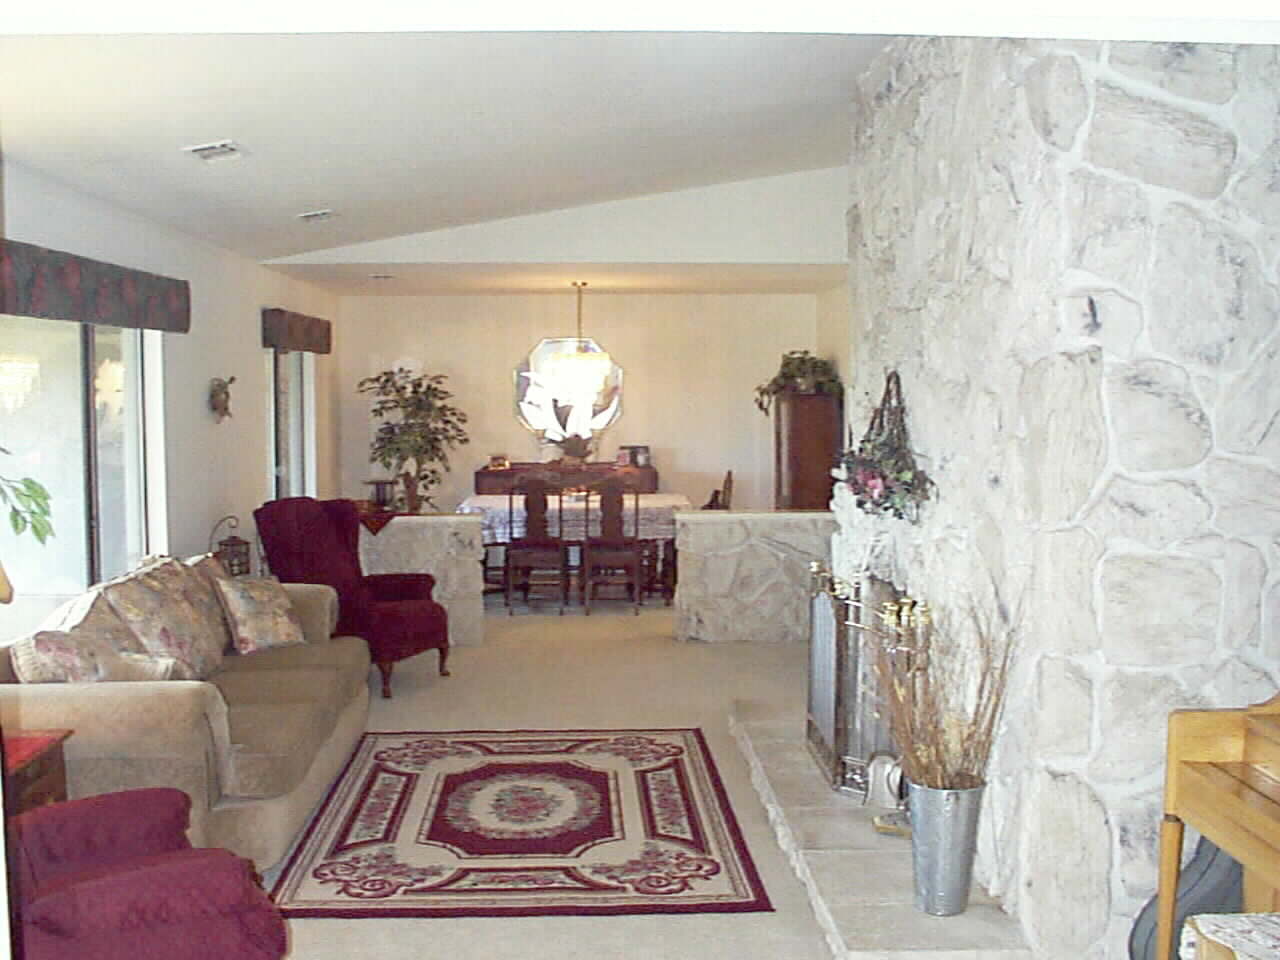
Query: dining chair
x,y
539,551
612,558
721,499
726,491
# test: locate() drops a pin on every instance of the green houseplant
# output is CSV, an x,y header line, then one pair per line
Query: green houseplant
x,y
28,503
799,372
419,427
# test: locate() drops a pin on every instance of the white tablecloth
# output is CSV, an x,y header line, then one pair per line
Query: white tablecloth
x,y
657,515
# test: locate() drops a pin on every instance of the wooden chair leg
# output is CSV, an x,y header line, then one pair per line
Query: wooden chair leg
x,y
444,658
1170,866
385,667
564,582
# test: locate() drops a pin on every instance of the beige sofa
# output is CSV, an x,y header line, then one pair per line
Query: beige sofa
x,y
256,744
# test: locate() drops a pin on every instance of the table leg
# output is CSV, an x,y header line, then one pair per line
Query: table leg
x,y
1171,829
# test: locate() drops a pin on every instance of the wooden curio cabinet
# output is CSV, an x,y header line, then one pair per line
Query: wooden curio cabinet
x,y
806,443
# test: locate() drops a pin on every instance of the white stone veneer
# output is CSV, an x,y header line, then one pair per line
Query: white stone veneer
x,y
1070,251
448,547
744,576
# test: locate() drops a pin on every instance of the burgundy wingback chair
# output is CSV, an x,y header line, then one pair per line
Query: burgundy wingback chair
x,y
318,541
113,877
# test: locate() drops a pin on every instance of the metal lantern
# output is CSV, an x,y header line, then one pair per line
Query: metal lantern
x,y
233,551
383,493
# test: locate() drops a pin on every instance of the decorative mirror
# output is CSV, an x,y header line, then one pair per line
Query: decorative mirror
x,y
568,386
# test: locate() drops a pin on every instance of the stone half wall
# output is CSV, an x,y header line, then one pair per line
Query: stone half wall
x,y
1070,252
744,575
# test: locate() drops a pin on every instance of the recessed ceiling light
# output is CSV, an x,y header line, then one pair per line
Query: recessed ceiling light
x,y
217,150
315,216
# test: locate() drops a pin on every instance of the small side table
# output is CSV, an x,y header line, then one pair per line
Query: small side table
x,y
34,770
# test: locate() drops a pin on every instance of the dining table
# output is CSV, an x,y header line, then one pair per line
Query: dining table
x,y
503,517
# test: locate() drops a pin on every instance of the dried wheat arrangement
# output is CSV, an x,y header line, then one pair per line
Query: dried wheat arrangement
x,y
944,684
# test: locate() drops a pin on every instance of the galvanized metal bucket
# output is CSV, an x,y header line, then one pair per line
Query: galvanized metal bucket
x,y
944,838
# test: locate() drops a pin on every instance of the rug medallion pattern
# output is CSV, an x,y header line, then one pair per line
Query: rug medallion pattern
x,y
523,823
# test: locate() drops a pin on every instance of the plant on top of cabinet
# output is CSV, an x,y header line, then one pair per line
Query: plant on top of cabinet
x,y
799,372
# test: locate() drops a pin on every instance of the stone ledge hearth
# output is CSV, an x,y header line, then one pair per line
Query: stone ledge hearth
x,y
859,881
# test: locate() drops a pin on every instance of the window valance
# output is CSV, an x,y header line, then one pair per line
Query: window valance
x,y
286,330
52,285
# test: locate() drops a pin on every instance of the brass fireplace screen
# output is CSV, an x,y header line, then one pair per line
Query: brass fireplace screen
x,y
847,724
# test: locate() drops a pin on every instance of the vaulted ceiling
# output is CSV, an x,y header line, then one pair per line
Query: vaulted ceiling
x,y
400,133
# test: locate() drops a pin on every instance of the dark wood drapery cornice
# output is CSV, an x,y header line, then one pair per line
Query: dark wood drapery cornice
x,y
286,330
38,282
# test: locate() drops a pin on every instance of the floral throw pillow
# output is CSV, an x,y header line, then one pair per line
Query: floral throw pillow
x,y
260,614
56,656
156,606
91,614
208,570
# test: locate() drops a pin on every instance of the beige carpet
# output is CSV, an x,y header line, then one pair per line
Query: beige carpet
x,y
608,670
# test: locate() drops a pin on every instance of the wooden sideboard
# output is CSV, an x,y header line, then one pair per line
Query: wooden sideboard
x,y
35,772
642,479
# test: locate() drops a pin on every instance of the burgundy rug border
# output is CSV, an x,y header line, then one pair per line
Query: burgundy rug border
x,y
759,903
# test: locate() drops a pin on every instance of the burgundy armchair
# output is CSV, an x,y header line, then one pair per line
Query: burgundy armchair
x,y
318,541
113,877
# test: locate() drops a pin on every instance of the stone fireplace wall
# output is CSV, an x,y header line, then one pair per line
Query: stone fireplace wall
x,y
1070,252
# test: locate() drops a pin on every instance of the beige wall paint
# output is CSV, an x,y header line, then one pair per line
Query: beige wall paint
x,y
835,333
213,469
690,361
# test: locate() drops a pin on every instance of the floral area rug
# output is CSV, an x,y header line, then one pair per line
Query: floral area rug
x,y
523,823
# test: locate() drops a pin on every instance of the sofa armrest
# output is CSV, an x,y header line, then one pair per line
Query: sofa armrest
x,y
167,733
317,608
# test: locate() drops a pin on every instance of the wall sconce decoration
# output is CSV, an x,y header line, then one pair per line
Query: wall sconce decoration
x,y
233,551
220,397
568,386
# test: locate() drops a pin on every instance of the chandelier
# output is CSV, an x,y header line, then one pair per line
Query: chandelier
x,y
580,371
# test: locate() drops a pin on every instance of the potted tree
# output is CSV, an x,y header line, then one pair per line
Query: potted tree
x,y
419,427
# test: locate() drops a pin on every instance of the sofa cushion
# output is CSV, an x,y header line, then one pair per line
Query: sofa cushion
x,y
156,603
325,686
273,744
260,615
349,656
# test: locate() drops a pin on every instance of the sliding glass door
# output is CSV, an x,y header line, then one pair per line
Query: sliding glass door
x,y
71,417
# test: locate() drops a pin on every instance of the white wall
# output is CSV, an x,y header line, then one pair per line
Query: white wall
x,y
691,363
213,469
